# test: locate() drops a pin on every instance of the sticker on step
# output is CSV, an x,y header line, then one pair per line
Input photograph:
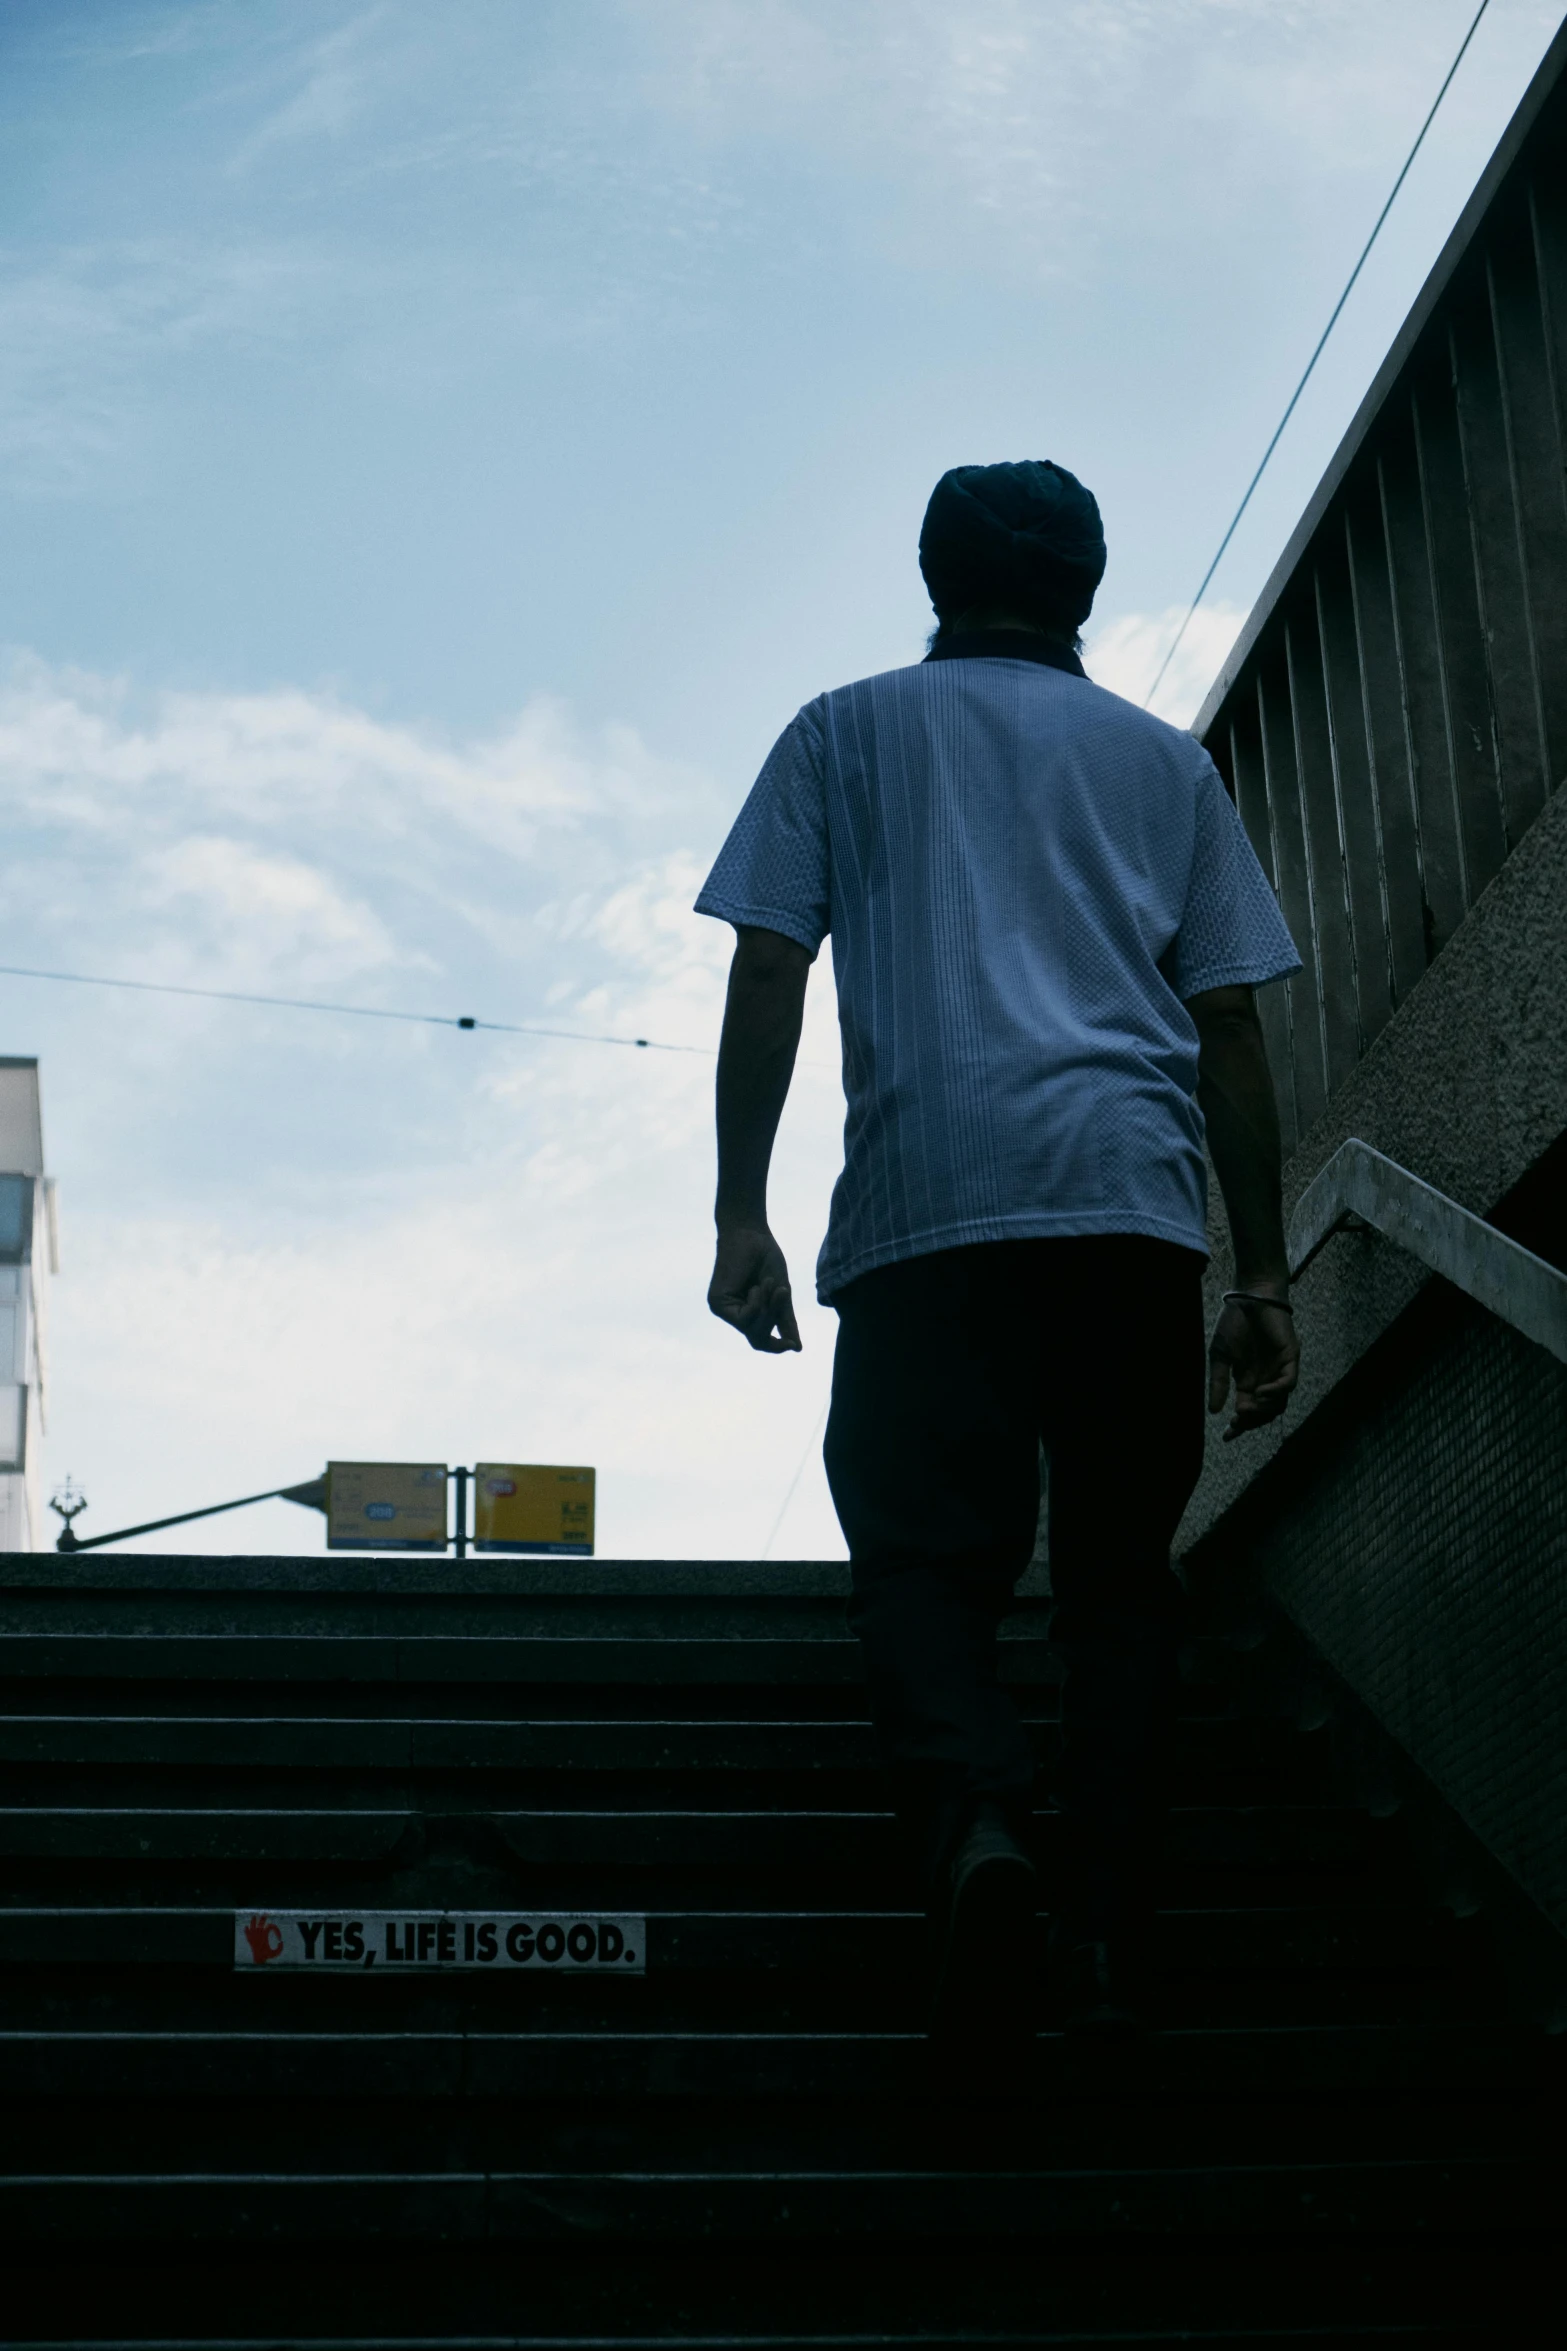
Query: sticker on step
x,y
438,1941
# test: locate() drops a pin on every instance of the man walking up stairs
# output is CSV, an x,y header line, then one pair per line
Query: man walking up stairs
x,y
1047,923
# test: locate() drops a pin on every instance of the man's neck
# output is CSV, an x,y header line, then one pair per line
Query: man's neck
x,y
986,620
954,642
986,617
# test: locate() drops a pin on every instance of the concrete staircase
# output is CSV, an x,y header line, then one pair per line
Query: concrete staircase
x,y
1338,2136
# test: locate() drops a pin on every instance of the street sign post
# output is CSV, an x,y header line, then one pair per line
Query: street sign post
x,y
386,1506
401,1506
520,1507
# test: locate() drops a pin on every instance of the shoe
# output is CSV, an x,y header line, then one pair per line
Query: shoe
x,y
1094,1986
984,1988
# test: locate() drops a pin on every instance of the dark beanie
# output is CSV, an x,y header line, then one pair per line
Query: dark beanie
x,y
1025,534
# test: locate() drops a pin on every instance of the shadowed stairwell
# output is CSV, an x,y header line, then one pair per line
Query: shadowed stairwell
x,y
1341,2127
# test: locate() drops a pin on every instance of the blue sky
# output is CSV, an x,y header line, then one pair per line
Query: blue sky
x,y
441,449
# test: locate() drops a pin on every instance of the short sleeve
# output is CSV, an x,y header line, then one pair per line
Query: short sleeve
x,y
1231,932
773,871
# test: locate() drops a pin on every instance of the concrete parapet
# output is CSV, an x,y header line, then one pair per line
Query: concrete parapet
x,y
1410,1513
1467,1087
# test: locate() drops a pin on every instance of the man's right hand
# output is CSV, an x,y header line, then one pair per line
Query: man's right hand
x,y
750,1289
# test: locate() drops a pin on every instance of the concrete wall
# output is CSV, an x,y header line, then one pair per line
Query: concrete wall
x,y
26,1249
1467,1086
1410,1513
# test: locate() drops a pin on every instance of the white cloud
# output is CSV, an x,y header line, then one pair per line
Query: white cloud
x,y
292,804
263,913
298,1237
1125,654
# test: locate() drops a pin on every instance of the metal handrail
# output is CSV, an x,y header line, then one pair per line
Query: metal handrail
x,y
1360,1185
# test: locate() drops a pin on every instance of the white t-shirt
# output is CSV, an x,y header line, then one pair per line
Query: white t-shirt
x,y
1024,878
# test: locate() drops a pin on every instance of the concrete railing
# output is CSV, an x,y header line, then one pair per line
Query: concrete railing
x,y
1360,1186
1393,717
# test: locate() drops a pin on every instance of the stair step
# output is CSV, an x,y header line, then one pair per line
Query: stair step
x,y
1338,2291
1087,2131
294,1743
200,1833
275,2061
1357,2337
1366,1938
1485,2198
332,1657
1243,1837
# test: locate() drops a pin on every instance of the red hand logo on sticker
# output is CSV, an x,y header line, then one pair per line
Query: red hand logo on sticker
x,y
265,1938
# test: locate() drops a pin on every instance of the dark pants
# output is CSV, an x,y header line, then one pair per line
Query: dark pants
x,y
950,1372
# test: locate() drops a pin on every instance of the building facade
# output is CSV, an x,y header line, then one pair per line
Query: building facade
x,y
29,1253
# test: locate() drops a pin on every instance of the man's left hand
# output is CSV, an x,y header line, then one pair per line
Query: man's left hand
x,y
1256,1345
750,1288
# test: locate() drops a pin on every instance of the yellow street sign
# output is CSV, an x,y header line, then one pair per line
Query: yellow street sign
x,y
518,1508
386,1506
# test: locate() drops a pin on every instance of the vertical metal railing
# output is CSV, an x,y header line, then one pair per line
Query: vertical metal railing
x,y
1394,716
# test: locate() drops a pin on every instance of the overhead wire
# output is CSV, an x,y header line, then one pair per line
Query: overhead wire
x,y
1278,432
439,1020
783,1507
